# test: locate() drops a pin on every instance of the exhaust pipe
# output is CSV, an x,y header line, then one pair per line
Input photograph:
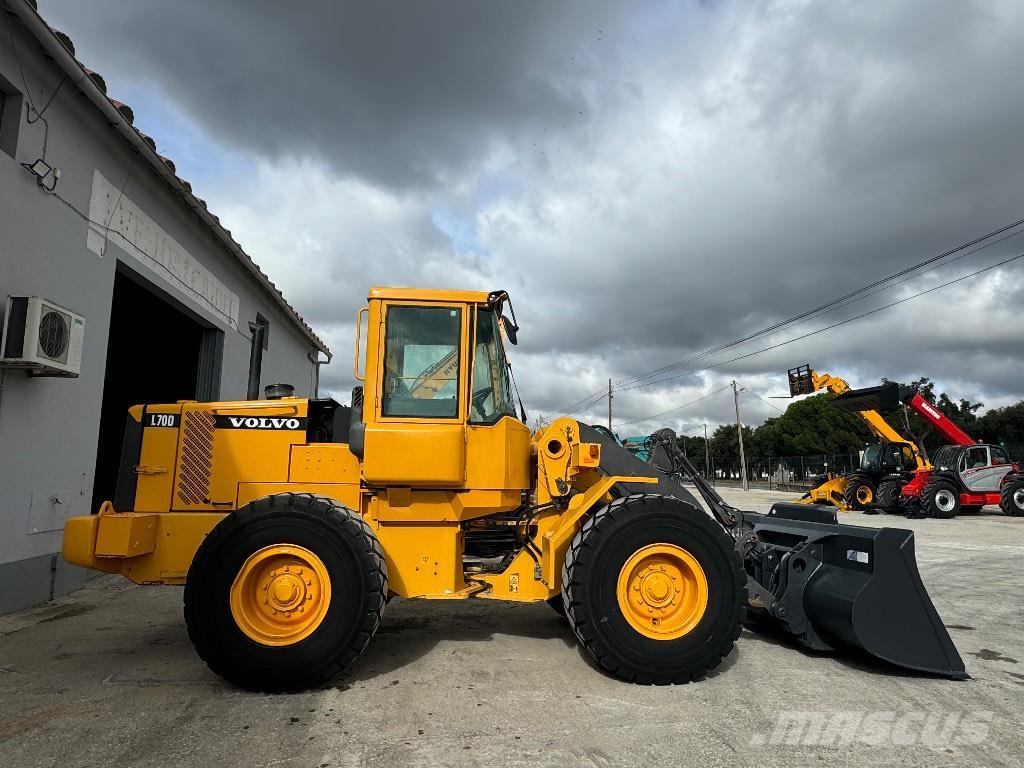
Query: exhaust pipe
x,y
252,391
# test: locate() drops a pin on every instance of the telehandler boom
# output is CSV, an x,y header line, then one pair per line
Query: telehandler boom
x,y
291,522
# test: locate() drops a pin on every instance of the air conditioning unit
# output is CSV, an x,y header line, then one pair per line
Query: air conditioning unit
x,y
42,336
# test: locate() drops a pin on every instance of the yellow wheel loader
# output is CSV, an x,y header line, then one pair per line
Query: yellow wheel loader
x,y
292,521
892,455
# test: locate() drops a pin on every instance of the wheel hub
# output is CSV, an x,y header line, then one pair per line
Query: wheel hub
x,y
280,595
944,500
1018,498
662,591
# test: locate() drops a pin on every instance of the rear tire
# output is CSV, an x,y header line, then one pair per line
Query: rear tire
x,y
683,642
229,619
1011,498
888,495
858,492
940,498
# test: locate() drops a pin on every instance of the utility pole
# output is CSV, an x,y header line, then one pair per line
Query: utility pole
x,y
739,433
609,405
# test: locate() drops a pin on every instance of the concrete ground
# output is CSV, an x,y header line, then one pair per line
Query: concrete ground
x,y
107,677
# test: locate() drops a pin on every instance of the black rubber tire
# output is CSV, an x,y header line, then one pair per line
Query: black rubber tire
x,y
932,488
888,496
1007,501
354,561
590,575
853,484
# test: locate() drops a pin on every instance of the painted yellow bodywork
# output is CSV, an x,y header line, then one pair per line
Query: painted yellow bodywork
x,y
420,483
831,491
174,542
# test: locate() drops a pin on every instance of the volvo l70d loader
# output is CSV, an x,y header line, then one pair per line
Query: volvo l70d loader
x,y
291,522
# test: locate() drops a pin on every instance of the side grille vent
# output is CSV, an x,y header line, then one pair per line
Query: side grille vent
x,y
196,458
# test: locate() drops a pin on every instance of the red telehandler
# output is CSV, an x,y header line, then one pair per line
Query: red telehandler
x,y
964,476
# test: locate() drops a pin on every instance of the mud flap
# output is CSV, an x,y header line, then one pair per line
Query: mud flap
x,y
835,586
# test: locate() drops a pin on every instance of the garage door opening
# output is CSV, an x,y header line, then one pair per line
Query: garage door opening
x,y
156,353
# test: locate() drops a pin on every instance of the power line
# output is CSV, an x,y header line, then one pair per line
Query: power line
x,y
841,322
677,408
834,303
766,402
849,298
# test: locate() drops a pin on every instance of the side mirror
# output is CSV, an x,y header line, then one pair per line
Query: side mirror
x,y
510,329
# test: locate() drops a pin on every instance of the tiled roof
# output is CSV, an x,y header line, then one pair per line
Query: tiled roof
x,y
95,80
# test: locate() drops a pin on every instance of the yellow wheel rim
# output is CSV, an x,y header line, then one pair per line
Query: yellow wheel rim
x,y
864,495
662,591
281,595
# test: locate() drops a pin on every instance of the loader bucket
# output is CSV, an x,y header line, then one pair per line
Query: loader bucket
x,y
881,398
851,586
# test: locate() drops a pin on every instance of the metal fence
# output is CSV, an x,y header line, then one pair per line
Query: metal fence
x,y
777,472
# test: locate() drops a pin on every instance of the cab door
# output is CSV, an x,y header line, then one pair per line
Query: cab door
x,y
981,471
416,433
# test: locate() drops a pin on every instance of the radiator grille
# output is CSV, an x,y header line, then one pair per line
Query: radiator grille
x,y
196,458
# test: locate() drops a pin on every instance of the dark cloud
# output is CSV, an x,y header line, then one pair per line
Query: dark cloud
x,y
647,180
397,92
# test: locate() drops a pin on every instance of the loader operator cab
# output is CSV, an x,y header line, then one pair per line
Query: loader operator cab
x,y
888,457
437,387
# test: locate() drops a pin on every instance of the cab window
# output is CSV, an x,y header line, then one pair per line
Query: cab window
x,y
999,455
421,362
977,456
490,391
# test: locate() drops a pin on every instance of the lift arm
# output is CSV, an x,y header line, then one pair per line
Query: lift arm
x,y
889,396
803,381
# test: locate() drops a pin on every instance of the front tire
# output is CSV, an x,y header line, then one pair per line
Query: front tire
x,y
940,498
888,495
654,590
858,492
285,592
1011,498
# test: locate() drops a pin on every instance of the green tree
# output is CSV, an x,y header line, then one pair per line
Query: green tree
x,y
1002,426
813,426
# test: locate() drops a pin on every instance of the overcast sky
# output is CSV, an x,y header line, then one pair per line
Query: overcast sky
x,y
648,180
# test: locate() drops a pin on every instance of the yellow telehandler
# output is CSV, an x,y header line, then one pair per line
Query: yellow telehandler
x,y
292,521
892,455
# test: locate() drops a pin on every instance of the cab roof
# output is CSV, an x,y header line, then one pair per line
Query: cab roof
x,y
429,294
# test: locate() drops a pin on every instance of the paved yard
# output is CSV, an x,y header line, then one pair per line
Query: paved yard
x,y
106,677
